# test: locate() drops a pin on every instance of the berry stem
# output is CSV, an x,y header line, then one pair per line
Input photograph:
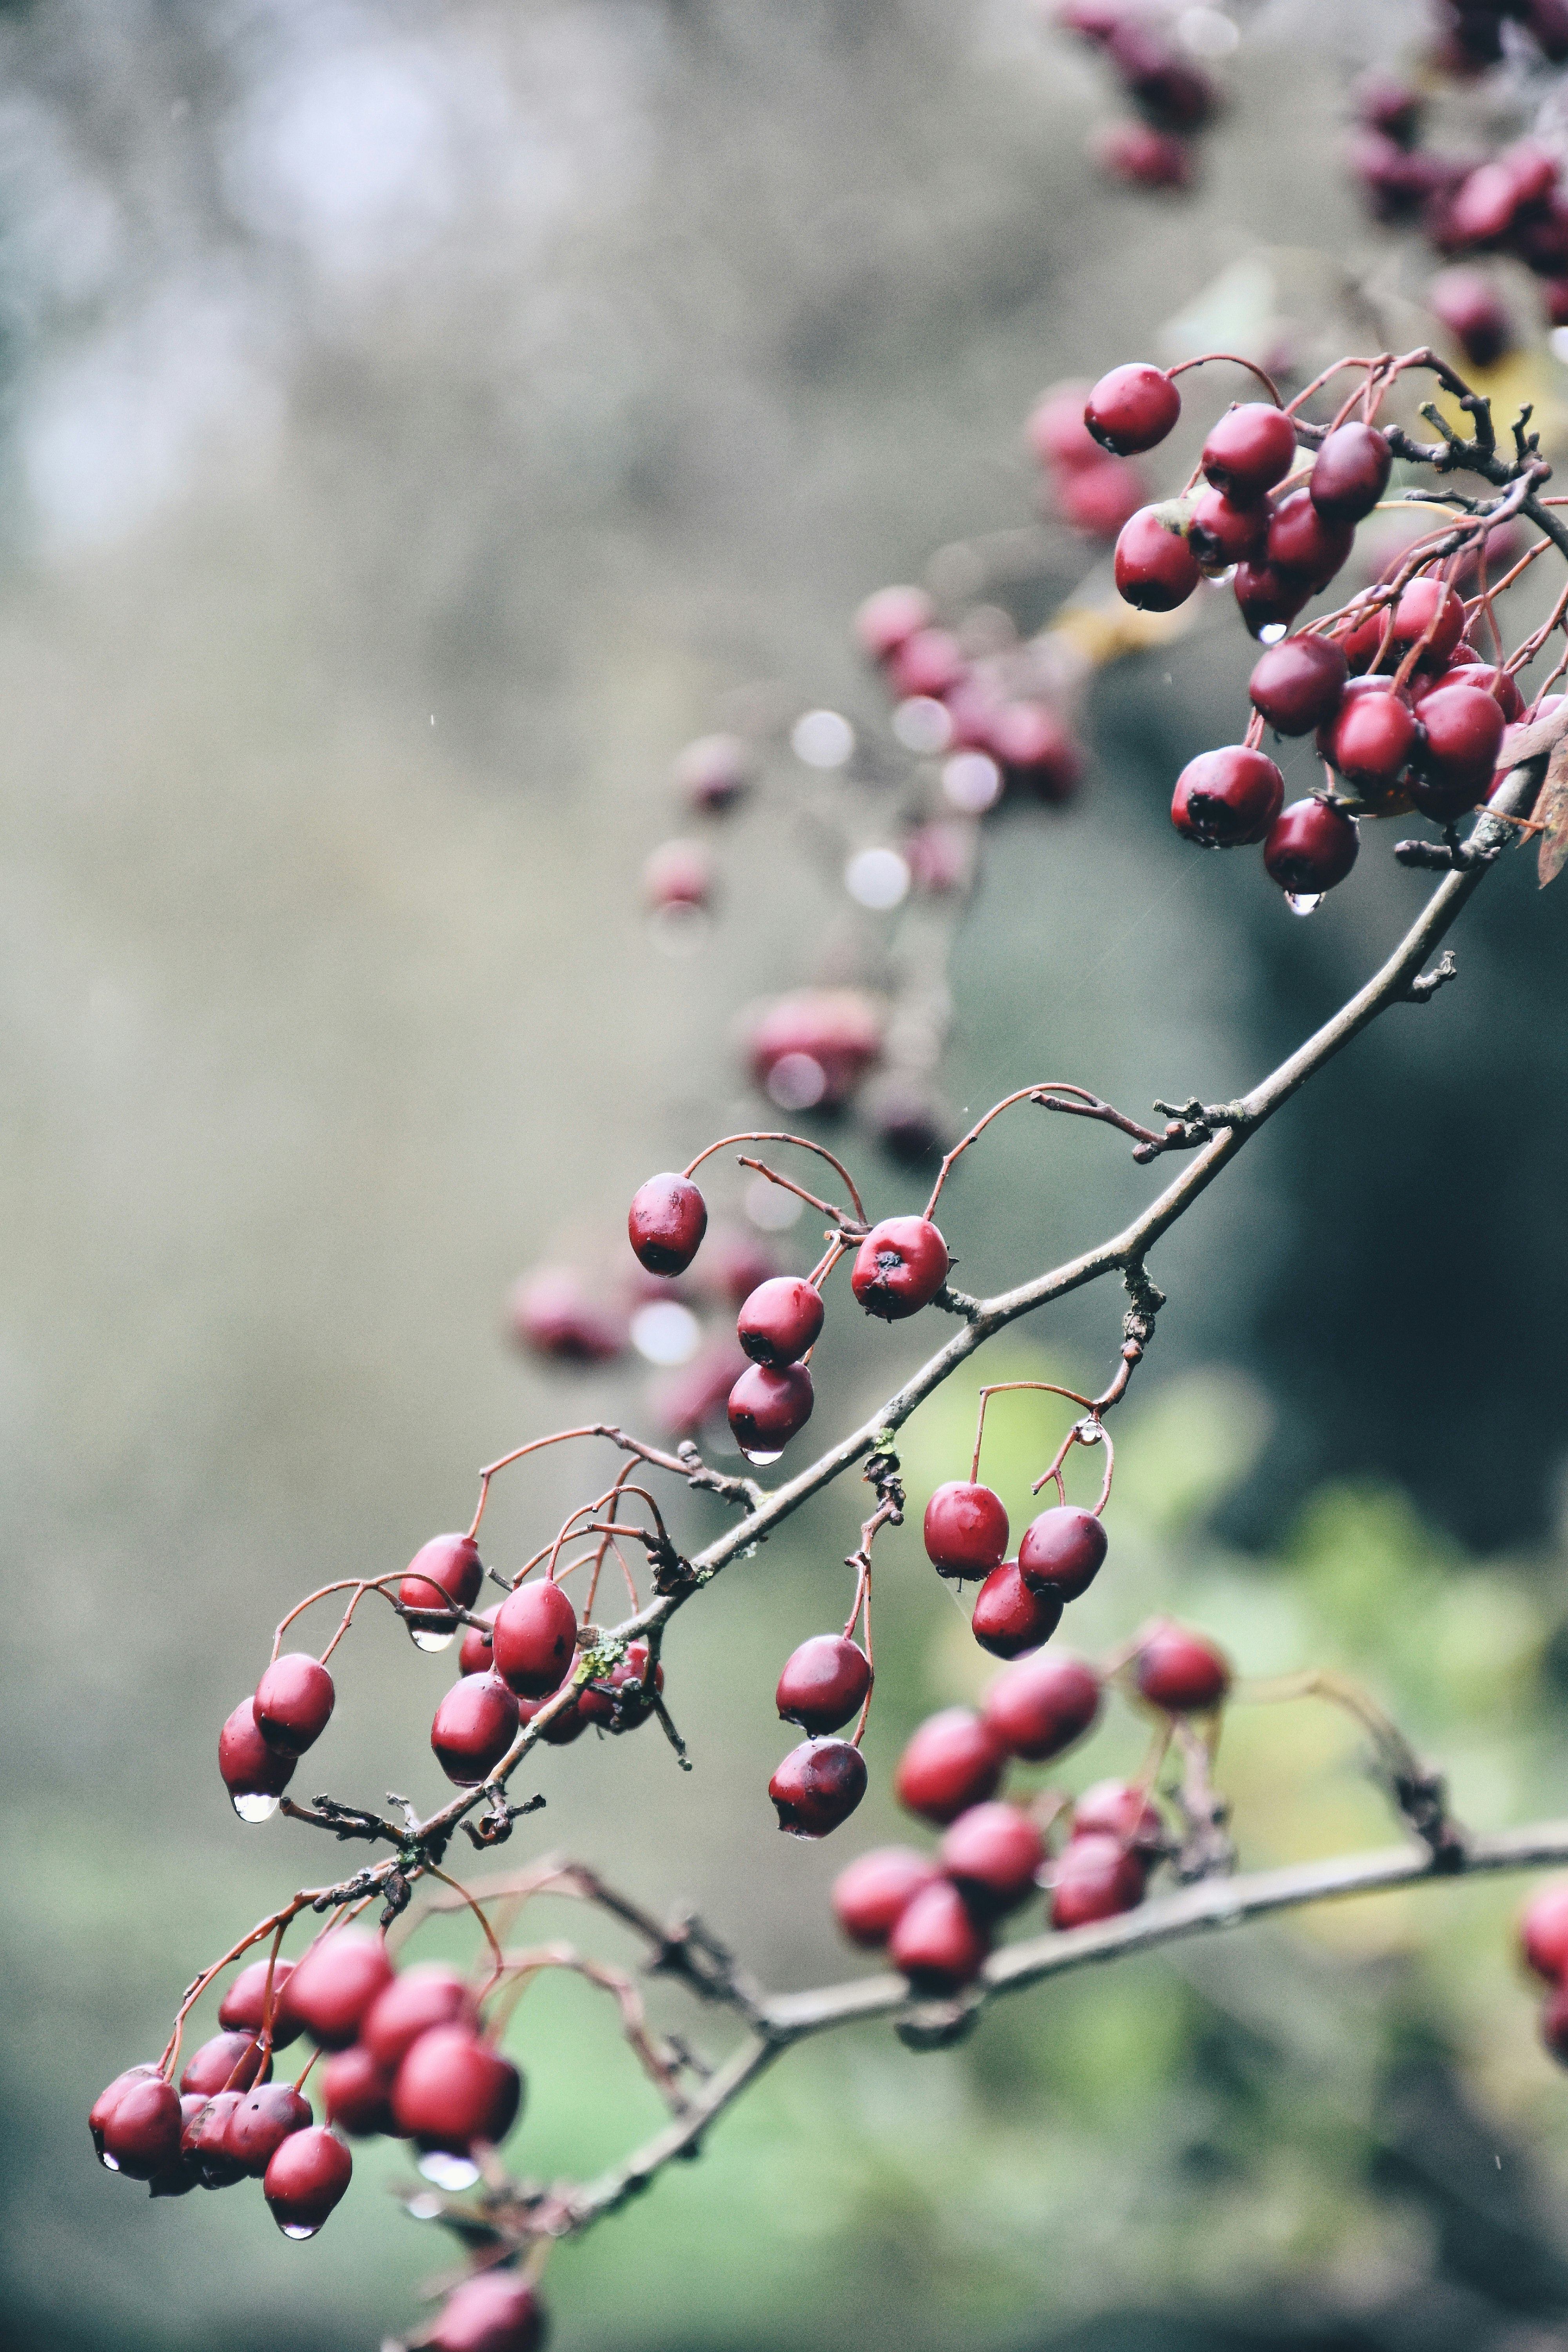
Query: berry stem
x,y
1234,359
777,1134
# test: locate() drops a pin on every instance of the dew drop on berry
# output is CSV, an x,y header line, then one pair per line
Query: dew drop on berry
x,y
1272,631
762,1460
300,2229
110,2163
1303,902
425,1637
449,2171
254,1807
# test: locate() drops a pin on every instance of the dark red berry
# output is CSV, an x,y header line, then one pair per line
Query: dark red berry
x,y
890,619
1062,1551
1371,642
496,2312
1374,737
929,663
1008,1617
665,1223
1222,534
811,1050
1038,1707
254,1774
780,1320
228,2061
553,1315
1310,847
263,2119
1227,798
953,1761
356,2091
1455,764
1155,569
817,1786
1120,1810
1544,1933
1469,305
182,2173
1304,543
1132,408
1097,1878
767,1406
619,1700
1034,750
1298,686
294,1701
870,1896
305,2180
1350,472
478,1655
149,2137
992,1854
1500,684
446,1570
1429,605
431,1994
204,2139
243,2006
899,1267
474,1726
823,1683
1250,448
937,1941
332,1987
561,1729
1181,1671
966,1530
1266,599
455,2091
535,1638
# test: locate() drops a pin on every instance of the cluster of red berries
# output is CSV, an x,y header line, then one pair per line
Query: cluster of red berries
x,y
1088,486
1020,1602
406,2055
936,1915
1175,99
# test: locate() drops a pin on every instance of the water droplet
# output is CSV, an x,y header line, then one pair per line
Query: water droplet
x,y
425,1637
1303,902
110,2163
423,2209
763,1458
449,2171
1271,632
300,2229
254,1807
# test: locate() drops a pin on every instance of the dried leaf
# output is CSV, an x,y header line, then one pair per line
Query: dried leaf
x,y
1551,813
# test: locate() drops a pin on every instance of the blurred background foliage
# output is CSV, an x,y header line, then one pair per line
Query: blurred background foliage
x,y
418,421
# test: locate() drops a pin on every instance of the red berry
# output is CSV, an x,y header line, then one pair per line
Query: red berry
x,y
1132,408
870,1896
1310,847
496,2312
953,1761
1500,684
1097,1878
1268,599
478,1656
1181,1671
817,1786
136,2124
293,1702
1117,1808
1038,1707
1173,94
455,2091
677,873
1554,2024
262,2120
1544,1933
992,1854
767,1406
1227,798
446,1570
1304,543
254,1774
1350,472
1062,1551
899,1267
228,2061
1454,765
823,1683
1430,604
1140,157
1371,641
810,1051
966,1530
1251,449
618,1701
937,1941
474,1726
1057,434
889,620
431,1994
356,2091
1155,569
204,2139
1222,534
535,1638
1469,305
552,1315
332,1987
780,1320
307,2176
665,1223
1374,737
929,663
1008,1618
561,1729
1298,686
242,2006
110,2096
712,773
1034,749
1099,499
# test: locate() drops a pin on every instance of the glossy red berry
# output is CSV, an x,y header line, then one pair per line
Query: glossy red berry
x,y
937,1941
665,1223
1306,544
992,1854
1428,606
431,1994
254,1774
474,1726
899,1267
103,2106
1120,1810
1374,737
1544,1933
184,2172
1250,448
204,2139
228,2061
1097,1878
1132,408
1041,1705
306,2178
496,2312
1310,847
356,2092
535,1638
1008,1617
455,2091
1455,764
780,1320
889,620
477,1654
446,1570
1227,798
966,1530
136,2124
333,1984
243,2006
767,1406
1350,472
1062,1551
823,1683
953,1760
1298,685
262,2120
1155,569
870,1896
294,1701
817,1786
1267,600
618,1701
1222,534
1182,1672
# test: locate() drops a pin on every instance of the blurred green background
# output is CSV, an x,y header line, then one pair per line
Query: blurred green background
x,y
418,421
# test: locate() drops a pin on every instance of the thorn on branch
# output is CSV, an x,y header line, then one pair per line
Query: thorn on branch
x,y
1437,856
343,1821
1424,986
